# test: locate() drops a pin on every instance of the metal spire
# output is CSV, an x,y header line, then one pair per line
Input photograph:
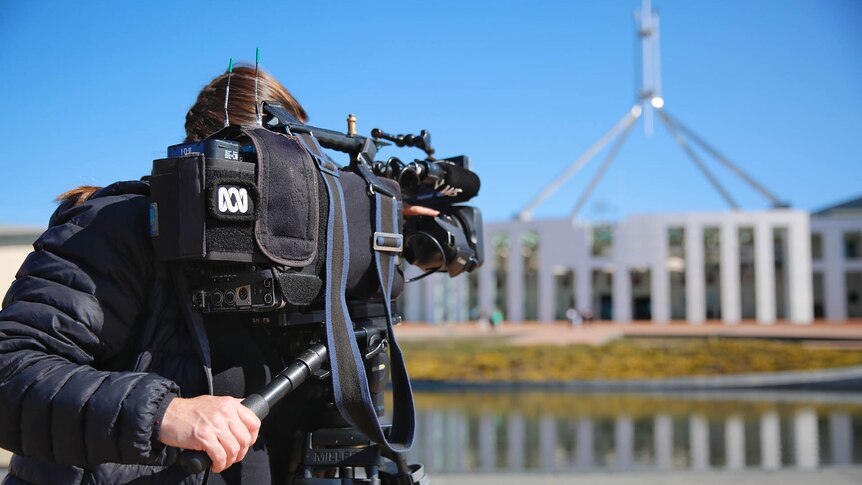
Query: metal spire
x,y
649,98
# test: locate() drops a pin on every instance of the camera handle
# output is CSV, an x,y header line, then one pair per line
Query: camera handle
x,y
303,366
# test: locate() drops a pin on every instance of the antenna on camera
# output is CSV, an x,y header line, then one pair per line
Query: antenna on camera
x,y
256,102
227,91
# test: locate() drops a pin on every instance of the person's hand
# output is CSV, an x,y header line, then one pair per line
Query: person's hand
x,y
217,425
418,210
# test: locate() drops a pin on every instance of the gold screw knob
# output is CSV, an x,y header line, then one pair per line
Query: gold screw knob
x,y
351,125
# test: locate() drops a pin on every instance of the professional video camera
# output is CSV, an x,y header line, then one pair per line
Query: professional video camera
x,y
269,230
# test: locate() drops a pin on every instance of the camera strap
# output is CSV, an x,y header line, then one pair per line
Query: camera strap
x,y
349,380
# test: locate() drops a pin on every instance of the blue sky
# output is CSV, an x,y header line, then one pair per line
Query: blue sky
x,y
93,91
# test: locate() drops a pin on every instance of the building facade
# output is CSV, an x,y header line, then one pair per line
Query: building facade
x,y
765,266
15,244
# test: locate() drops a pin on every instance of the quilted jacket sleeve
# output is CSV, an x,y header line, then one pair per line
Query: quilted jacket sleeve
x,y
73,307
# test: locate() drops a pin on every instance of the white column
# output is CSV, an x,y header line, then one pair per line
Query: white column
x,y
584,286
515,280
547,291
660,281
663,441
621,290
487,443
730,282
434,439
458,295
695,284
428,289
548,443
833,275
624,437
622,294
585,454
486,277
734,443
454,450
764,272
411,304
841,438
516,436
800,302
699,441
806,439
770,441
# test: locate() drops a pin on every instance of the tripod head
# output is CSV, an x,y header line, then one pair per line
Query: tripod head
x,y
328,446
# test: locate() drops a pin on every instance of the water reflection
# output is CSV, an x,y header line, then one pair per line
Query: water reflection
x,y
559,432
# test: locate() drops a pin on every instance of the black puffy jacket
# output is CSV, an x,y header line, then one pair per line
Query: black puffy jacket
x,y
92,340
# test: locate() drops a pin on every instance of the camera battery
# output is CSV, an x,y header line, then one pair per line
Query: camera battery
x,y
212,149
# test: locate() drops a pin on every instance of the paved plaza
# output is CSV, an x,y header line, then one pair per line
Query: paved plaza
x,y
822,477
846,334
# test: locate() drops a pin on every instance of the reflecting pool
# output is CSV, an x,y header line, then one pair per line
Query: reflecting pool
x,y
526,431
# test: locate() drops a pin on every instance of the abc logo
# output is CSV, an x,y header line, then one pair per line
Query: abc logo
x,y
233,200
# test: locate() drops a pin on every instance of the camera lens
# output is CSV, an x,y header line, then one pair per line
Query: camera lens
x,y
217,298
410,179
423,250
230,297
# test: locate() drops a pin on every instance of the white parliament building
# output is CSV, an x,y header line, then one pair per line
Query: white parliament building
x,y
765,266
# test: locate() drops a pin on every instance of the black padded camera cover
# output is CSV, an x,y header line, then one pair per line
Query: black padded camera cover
x,y
287,179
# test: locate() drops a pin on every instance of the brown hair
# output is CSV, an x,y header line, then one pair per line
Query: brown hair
x,y
206,116
79,194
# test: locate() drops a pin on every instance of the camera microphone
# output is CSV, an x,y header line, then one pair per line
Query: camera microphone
x,y
458,183
448,182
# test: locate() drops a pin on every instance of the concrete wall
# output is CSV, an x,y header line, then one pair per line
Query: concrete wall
x,y
11,258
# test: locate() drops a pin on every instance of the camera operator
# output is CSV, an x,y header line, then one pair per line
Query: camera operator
x,y
103,377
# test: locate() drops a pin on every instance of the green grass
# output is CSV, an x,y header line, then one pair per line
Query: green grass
x,y
495,360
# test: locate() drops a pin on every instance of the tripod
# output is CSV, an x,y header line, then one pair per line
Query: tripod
x,y
334,453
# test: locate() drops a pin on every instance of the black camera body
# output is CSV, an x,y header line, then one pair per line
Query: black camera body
x,y
213,209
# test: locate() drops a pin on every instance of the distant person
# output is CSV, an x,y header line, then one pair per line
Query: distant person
x,y
496,318
574,317
484,321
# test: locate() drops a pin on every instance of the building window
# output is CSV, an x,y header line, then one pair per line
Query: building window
x,y
853,245
819,294
853,280
530,255
564,292
676,271
816,246
747,286
500,243
641,294
603,241
712,271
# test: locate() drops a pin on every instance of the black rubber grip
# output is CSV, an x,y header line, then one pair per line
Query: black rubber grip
x,y
194,461
306,364
257,404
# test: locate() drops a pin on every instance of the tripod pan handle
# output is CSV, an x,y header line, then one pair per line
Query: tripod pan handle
x,y
305,365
